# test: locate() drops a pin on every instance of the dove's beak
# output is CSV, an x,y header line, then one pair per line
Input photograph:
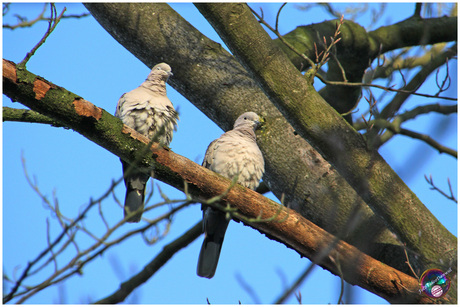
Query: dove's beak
x,y
260,121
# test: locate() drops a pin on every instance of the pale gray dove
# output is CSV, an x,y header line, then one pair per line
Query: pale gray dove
x,y
147,110
235,153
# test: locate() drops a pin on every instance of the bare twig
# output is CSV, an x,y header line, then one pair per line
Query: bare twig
x,y
434,187
395,128
427,139
418,9
420,110
282,299
51,26
385,88
168,251
24,23
275,31
247,287
443,87
408,263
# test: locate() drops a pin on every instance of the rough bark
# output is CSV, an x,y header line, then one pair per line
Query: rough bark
x,y
276,221
364,169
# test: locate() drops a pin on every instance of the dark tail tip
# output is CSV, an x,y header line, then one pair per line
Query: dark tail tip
x,y
134,201
208,259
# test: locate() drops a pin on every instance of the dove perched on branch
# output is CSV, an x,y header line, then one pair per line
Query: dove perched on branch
x,y
235,153
147,110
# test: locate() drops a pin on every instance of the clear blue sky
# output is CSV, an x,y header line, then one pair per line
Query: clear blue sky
x,y
81,57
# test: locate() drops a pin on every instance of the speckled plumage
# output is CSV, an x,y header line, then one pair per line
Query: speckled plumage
x,y
235,153
147,110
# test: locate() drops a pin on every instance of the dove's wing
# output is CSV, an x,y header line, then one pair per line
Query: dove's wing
x,y
147,110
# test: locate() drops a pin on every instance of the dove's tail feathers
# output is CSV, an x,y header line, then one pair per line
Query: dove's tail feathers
x,y
135,182
214,224
134,201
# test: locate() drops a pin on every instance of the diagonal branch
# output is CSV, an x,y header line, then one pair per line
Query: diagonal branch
x,y
291,229
313,119
127,287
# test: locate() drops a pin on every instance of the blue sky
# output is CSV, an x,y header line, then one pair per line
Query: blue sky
x,y
81,57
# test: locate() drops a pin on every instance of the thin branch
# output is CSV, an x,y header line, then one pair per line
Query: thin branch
x,y
278,16
248,288
427,139
434,187
443,86
408,115
408,263
385,88
51,26
395,128
282,39
282,299
416,82
28,116
151,268
418,9
23,21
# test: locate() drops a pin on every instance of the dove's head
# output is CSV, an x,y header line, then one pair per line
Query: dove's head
x,y
248,119
162,71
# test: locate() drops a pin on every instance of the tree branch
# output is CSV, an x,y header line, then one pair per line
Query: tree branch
x,y
291,229
24,23
416,81
394,127
314,120
413,31
28,116
358,48
428,140
127,287
52,23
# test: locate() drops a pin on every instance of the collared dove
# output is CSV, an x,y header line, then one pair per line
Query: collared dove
x,y
147,110
235,153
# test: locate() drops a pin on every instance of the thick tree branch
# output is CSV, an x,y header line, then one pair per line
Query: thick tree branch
x,y
413,31
314,120
288,227
410,32
358,48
